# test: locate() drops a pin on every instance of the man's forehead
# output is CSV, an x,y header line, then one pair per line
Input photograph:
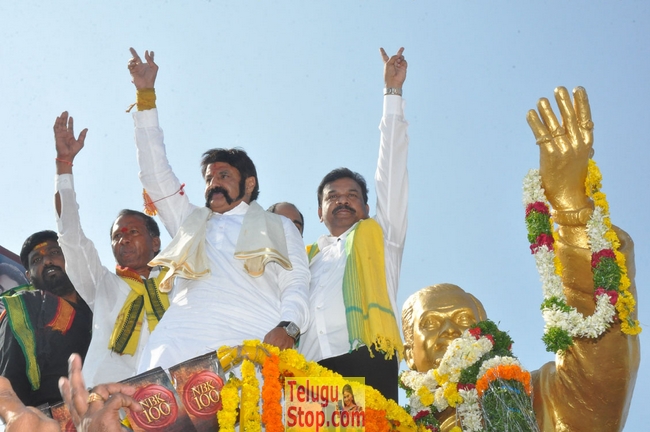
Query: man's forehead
x,y
220,166
124,222
345,183
45,246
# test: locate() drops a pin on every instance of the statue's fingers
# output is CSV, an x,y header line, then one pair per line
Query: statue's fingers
x,y
569,119
548,117
583,114
541,132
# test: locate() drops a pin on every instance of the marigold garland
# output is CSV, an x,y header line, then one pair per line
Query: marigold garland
x,y
381,415
272,395
227,416
250,399
504,372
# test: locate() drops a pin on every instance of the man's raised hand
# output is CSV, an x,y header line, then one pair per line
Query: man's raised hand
x,y
394,69
143,75
67,146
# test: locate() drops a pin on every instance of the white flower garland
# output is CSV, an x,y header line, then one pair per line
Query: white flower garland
x,y
573,322
462,353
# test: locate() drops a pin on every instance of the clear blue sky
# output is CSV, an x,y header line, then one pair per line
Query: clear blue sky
x,y
299,86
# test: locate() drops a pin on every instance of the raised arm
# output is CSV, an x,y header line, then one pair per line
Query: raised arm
x,y
83,265
573,391
156,174
391,177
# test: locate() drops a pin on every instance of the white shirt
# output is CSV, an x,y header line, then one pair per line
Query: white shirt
x,y
230,306
327,335
103,290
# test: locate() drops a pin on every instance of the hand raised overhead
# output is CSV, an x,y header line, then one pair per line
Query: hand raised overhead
x,y
143,75
67,146
394,68
564,148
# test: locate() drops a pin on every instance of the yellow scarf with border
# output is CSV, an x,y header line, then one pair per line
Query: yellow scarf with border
x,y
369,313
144,297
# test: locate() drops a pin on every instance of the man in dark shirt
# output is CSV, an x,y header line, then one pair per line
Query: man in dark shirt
x,y
43,323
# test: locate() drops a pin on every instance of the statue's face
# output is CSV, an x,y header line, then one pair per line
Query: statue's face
x,y
439,318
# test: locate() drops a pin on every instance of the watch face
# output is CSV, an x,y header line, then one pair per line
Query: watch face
x,y
292,330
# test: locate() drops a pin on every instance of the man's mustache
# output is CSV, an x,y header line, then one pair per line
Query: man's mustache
x,y
214,190
343,207
45,269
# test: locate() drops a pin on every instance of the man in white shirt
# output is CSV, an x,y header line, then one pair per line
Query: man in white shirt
x,y
343,202
126,304
224,304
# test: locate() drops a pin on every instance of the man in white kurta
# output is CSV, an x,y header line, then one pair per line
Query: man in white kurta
x,y
104,291
327,339
229,305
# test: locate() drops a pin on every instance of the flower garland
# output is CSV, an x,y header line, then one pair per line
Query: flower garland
x,y
381,415
604,245
481,355
250,399
227,416
272,395
563,322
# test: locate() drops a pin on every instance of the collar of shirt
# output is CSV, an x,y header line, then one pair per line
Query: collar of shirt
x,y
328,240
241,208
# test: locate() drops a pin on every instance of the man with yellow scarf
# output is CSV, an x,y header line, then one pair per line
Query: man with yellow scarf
x,y
355,270
127,304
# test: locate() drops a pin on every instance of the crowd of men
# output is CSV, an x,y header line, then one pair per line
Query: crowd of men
x,y
232,272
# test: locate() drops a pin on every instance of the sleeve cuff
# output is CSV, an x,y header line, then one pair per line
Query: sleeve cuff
x,y
62,182
145,119
393,105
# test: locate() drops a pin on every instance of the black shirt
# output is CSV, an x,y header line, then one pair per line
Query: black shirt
x,y
60,328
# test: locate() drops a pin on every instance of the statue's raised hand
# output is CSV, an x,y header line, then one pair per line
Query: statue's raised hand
x,y
564,148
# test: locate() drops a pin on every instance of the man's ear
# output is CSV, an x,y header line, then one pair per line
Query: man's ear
x,y
367,211
250,182
28,276
320,213
408,356
155,244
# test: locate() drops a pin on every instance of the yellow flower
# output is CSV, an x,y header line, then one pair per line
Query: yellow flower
x,y
439,377
426,397
452,395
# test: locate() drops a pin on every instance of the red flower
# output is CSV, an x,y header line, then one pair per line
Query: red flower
x,y
537,206
490,337
420,415
468,386
598,256
613,295
542,240
476,332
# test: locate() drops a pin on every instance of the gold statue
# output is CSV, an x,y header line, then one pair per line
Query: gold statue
x,y
589,387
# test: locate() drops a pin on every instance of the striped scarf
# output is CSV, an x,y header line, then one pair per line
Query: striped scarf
x,y
144,297
21,323
368,311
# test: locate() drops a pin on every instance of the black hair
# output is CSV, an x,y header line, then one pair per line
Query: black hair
x,y
34,240
340,173
149,222
238,159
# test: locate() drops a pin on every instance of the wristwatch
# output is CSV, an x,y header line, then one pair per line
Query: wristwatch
x,y
291,328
